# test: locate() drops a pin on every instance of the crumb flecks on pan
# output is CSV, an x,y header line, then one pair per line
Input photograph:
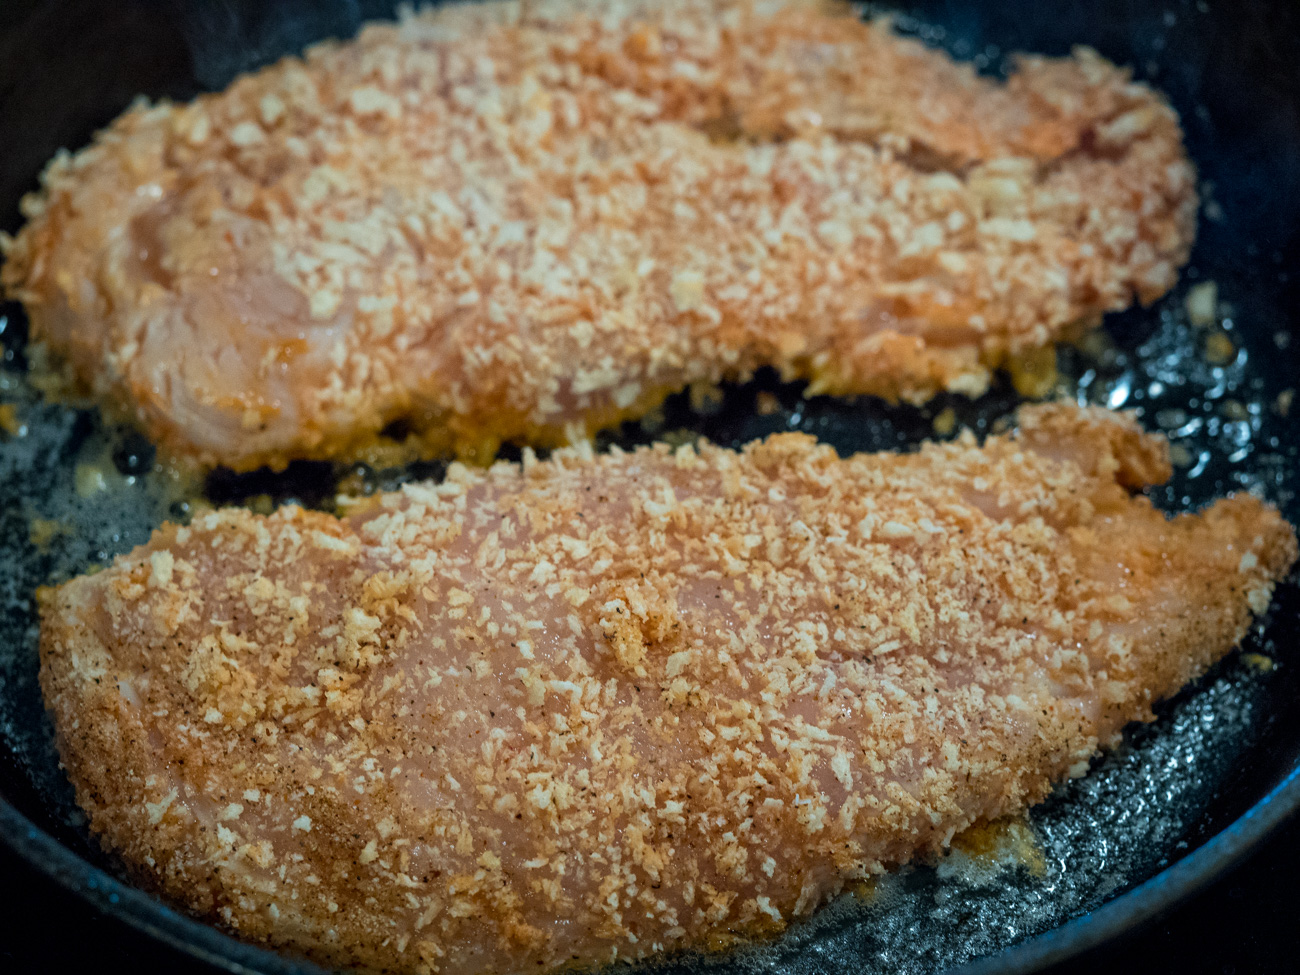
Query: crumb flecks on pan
x,y
834,664
494,228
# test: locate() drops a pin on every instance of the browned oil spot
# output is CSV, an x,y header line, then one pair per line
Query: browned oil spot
x,y
42,531
1009,840
1219,349
9,421
945,422
1033,373
863,891
766,404
1258,662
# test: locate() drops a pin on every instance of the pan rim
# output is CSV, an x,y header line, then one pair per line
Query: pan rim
x,y
1134,908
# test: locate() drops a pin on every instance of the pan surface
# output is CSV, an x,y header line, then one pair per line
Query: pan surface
x,y
1177,803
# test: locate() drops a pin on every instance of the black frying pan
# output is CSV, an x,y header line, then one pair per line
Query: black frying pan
x,y
1179,802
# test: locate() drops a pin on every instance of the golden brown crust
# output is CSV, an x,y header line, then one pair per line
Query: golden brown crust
x,y
492,228
599,706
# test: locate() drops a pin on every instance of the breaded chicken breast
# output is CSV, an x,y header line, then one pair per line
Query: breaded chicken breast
x,y
597,707
526,222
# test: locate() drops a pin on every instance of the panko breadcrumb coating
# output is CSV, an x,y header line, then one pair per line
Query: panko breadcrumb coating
x,y
599,707
526,222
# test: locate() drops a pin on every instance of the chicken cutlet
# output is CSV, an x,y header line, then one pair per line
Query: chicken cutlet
x,y
527,222
597,707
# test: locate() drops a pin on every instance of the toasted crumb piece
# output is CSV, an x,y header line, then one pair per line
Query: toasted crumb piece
x,y
1202,304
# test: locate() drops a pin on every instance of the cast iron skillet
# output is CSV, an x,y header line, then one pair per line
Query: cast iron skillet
x,y
1181,801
